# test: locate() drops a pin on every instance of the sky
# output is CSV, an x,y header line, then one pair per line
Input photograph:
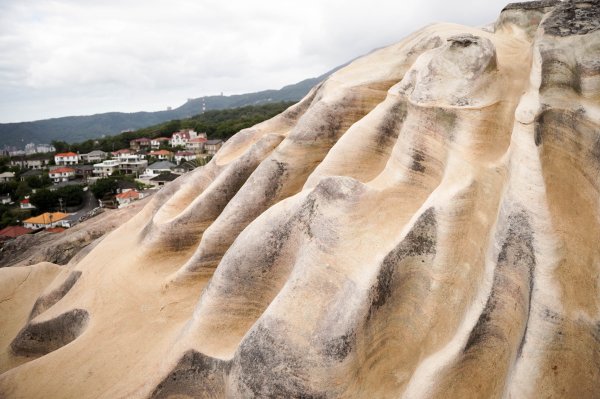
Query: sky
x,y
80,57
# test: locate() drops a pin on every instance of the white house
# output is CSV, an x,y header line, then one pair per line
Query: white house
x,y
5,199
182,137
161,154
7,176
159,167
47,220
128,197
61,174
26,204
106,168
184,155
94,156
66,158
157,142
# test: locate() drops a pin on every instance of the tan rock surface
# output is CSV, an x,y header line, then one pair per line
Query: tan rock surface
x,y
424,224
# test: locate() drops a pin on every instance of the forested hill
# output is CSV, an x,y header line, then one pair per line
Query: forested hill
x,y
218,124
73,129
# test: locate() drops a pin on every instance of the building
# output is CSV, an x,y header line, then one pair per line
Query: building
x,y
46,220
161,154
66,158
37,163
61,174
44,148
106,168
128,197
163,179
139,144
93,156
196,144
159,167
31,173
33,148
84,171
12,232
184,167
118,153
132,164
5,199
184,156
6,177
157,142
182,137
26,204
212,146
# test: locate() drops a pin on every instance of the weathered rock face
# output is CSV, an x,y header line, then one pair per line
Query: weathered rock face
x,y
424,224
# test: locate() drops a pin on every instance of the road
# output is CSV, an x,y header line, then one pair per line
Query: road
x,y
89,202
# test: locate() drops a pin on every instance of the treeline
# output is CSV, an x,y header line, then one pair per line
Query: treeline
x,y
220,124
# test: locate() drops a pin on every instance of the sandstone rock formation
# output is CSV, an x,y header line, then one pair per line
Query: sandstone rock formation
x,y
424,224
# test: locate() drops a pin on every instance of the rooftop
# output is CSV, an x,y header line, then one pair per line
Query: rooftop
x,y
66,154
161,165
47,218
63,170
14,231
32,172
165,177
213,142
128,194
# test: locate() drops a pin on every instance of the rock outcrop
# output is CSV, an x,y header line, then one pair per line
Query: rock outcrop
x,y
424,224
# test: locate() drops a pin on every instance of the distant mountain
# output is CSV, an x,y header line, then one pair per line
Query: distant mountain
x,y
74,129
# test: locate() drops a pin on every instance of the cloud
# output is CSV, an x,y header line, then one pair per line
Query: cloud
x,y
65,57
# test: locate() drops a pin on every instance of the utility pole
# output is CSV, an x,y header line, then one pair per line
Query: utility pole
x,y
60,201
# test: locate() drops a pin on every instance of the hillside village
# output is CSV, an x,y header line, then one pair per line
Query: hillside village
x,y
54,191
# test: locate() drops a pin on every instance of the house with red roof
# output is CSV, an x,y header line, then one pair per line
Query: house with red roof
x,y
196,144
184,155
182,137
61,174
161,154
26,204
128,197
66,158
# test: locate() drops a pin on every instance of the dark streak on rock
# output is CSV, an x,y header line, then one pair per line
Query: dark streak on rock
x,y
46,301
417,160
269,367
421,240
276,178
196,375
389,128
516,257
338,348
47,336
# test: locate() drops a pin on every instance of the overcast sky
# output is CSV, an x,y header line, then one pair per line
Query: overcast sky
x,y
78,57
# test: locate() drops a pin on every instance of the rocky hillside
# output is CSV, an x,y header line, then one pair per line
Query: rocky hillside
x,y
424,224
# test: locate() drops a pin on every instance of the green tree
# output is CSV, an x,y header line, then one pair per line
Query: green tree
x,y
104,187
172,127
71,195
44,200
22,190
61,146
